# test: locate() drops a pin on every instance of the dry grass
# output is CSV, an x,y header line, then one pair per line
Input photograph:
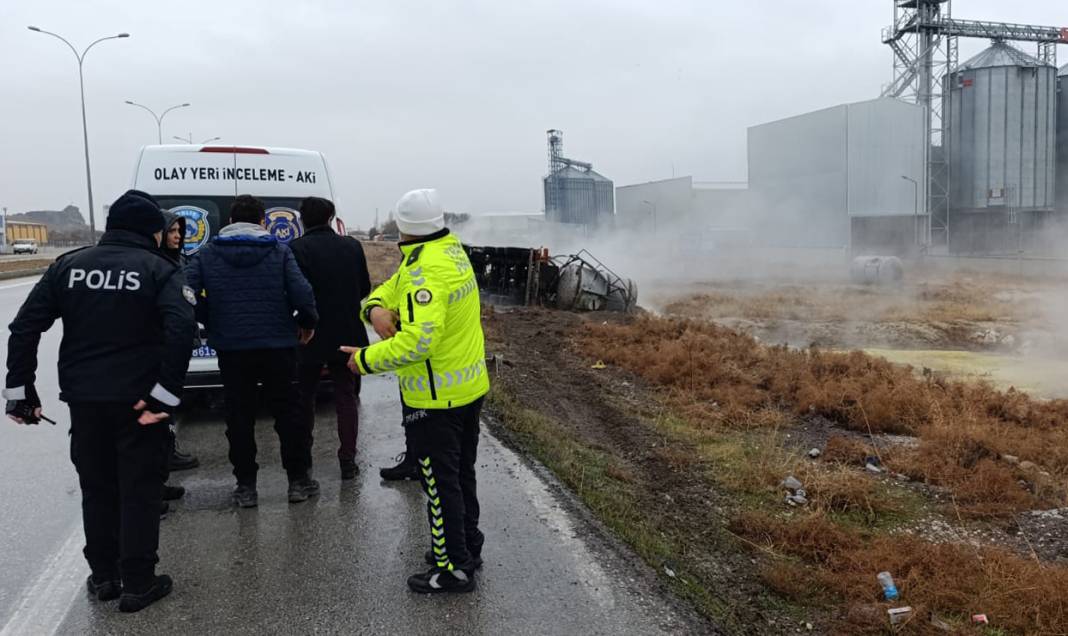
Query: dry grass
x,y
382,259
716,377
816,561
942,299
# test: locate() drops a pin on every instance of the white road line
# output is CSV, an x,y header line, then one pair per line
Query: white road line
x,y
29,282
45,604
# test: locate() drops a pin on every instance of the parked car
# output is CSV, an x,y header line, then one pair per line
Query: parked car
x,y
24,246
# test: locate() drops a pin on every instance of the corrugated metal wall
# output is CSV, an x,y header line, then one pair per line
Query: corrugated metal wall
x,y
1062,141
583,201
1001,129
36,231
810,173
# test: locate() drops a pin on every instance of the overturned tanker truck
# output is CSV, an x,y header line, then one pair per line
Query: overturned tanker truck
x,y
524,276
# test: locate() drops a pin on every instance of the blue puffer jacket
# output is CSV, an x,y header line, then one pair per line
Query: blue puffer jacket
x,y
252,287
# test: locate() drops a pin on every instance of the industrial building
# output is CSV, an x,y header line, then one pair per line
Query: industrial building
x,y
574,193
20,230
838,176
714,211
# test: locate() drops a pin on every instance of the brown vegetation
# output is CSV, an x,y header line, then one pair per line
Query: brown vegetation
x,y
716,375
382,259
816,560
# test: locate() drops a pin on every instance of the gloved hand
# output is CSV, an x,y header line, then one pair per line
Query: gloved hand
x,y
26,410
152,411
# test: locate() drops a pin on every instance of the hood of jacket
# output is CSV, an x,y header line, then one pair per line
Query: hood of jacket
x,y
169,219
244,244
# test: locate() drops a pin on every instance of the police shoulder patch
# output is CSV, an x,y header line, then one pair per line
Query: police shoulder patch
x,y
423,296
189,295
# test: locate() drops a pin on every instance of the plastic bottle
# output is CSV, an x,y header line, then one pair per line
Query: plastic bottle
x,y
889,589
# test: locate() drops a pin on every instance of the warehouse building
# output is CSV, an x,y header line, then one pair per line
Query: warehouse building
x,y
850,176
711,212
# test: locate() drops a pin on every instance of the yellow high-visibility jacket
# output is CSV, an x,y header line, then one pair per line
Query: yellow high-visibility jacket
x,y
438,352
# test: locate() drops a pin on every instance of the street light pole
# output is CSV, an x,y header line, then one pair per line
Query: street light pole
x,y
85,130
158,118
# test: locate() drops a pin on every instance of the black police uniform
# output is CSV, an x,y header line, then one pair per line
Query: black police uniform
x,y
127,324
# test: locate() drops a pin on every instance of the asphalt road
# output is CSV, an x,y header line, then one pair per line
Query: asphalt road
x,y
335,564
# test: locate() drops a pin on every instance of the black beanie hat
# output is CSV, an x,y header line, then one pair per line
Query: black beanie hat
x,y
137,212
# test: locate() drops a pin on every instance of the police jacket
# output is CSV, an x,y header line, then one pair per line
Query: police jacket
x,y
252,287
438,353
337,270
127,323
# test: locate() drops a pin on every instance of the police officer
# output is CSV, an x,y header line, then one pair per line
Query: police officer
x,y
127,324
438,355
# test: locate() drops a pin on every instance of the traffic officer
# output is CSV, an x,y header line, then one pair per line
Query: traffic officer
x,y
438,355
127,324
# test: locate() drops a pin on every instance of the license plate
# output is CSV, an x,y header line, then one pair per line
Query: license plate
x,y
203,351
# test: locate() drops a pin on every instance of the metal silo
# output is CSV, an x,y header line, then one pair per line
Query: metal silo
x,y
1062,141
582,196
1001,124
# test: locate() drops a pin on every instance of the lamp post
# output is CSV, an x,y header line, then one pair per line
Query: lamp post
x,y
189,139
915,207
85,130
158,118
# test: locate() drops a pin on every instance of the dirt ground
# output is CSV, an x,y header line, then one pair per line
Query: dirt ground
x,y
951,311
614,412
683,494
18,265
382,259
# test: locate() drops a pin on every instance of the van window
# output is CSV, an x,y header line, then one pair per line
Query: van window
x,y
205,216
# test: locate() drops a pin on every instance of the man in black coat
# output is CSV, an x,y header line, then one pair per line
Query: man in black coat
x,y
127,324
337,270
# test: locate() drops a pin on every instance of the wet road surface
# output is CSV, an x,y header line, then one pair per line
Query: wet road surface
x,y
333,564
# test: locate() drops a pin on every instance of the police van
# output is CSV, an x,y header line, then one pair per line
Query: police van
x,y
200,183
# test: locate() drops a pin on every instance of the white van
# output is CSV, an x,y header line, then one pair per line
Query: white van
x,y
200,183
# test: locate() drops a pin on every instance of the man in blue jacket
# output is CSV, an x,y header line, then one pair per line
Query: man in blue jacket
x,y
258,307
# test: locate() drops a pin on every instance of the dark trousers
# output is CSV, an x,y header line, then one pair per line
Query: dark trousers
x,y
242,372
346,392
445,444
121,467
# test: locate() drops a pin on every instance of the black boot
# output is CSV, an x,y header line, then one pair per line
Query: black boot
x,y
137,601
170,493
438,581
301,488
182,461
405,469
108,589
476,561
349,469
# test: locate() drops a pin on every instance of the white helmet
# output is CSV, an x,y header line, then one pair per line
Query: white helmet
x,y
419,213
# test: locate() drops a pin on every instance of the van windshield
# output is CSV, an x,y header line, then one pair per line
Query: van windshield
x,y
206,215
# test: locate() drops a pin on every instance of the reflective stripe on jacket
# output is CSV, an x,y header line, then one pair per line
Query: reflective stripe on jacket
x,y
438,352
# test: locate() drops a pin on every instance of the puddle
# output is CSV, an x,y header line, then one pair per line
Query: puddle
x,y
1044,378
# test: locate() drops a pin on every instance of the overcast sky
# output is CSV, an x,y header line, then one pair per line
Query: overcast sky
x,y
453,95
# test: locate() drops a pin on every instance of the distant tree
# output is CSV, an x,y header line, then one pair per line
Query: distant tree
x,y
453,219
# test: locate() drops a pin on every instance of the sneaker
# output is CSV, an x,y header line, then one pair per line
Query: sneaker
x,y
404,469
131,602
349,469
170,493
437,581
182,461
303,488
245,496
476,561
106,590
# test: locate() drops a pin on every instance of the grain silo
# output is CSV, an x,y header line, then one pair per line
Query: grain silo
x,y
574,193
1001,125
1062,141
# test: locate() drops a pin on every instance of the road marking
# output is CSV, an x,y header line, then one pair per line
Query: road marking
x,y
45,604
30,282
